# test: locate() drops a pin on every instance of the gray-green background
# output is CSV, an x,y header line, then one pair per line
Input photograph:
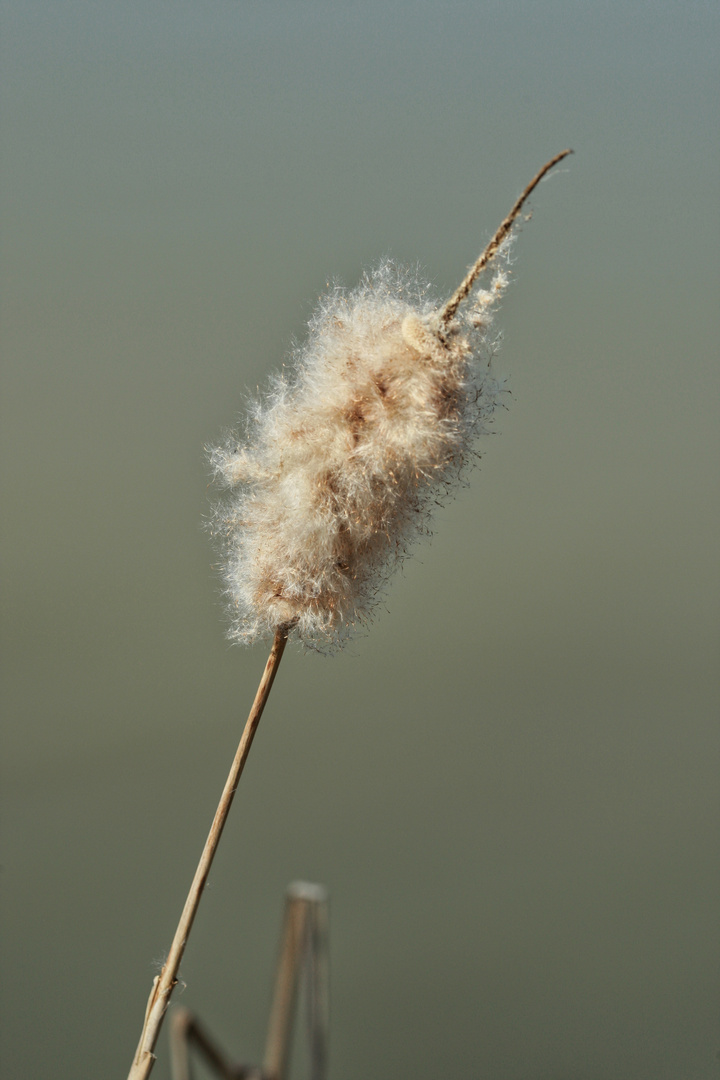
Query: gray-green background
x,y
509,786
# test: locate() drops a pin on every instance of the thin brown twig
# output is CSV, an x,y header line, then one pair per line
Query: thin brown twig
x,y
186,1031
448,312
164,983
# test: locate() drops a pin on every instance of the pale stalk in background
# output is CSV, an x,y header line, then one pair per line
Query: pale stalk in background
x,y
165,982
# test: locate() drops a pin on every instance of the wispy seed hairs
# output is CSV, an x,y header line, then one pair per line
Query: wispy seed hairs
x,y
346,457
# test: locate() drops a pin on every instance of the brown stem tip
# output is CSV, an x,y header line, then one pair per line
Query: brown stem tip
x,y
448,312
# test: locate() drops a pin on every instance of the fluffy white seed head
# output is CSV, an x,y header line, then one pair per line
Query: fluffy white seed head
x,y
345,459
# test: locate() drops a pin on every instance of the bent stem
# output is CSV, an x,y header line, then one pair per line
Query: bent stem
x,y
165,982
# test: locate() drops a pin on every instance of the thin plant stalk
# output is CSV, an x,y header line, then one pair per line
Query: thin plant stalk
x,y
186,1031
165,982
304,951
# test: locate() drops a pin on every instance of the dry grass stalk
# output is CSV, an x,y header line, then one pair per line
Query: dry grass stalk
x,y
186,1031
164,983
303,950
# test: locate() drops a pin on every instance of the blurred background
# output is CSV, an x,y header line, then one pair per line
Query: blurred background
x,y
510,785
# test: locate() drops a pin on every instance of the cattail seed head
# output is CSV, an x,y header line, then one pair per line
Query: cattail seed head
x,y
345,459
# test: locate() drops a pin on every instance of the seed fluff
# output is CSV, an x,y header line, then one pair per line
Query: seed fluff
x,y
346,457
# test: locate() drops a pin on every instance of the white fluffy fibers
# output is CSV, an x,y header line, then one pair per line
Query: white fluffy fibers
x,y
345,460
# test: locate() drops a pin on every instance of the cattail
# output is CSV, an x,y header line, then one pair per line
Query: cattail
x,y
346,457
342,466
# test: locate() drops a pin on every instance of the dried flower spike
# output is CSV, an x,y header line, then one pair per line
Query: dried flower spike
x,y
345,460
388,394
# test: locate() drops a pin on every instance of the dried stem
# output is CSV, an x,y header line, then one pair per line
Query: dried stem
x,y
448,312
164,983
186,1031
303,948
